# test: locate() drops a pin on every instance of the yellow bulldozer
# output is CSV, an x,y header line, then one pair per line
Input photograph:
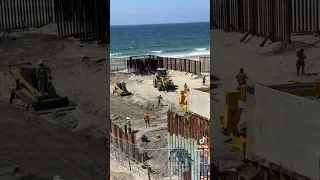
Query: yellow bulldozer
x,y
24,93
162,80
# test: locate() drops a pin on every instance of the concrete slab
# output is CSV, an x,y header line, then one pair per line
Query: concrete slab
x,y
285,131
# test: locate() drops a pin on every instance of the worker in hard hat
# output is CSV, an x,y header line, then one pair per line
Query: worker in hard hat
x,y
41,76
146,118
128,124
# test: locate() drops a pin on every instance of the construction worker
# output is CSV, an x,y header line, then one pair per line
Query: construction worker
x,y
159,99
241,78
203,81
128,124
300,61
41,76
123,85
185,87
144,140
146,118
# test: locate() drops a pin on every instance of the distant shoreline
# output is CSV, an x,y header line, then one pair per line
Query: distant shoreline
x,y
158,24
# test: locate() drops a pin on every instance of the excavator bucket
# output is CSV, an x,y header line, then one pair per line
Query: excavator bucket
x,y
45,105
50,105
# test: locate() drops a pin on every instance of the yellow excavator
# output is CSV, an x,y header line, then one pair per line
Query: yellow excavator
x,y
232,112
24,93
121,89
162,81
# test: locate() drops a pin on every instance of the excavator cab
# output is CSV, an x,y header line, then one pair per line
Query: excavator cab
x,y
161,72
162,81
25,94
29,74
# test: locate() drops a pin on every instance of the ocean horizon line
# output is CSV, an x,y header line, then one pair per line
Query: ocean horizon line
x,y
160,23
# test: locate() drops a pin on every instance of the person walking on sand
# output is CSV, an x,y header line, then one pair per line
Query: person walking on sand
x,y
241,78
203,81
300,61
146,118
159,99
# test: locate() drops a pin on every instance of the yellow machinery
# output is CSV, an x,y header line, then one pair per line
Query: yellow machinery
x,y
232,112
184,94
121,89
183,100
24,91
162,81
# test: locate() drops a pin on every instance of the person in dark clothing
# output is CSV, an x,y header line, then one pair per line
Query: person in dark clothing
x,y
300,61
159,99
241,78
128,124
41,76
144,140
204,81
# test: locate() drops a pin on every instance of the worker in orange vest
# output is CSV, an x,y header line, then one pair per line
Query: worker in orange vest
x,y
146,118
157,137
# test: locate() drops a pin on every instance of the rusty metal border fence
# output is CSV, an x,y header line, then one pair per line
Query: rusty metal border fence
x,y
88,20
21,14
118,64
272,19
193,126
190,127
125,142
177,64
305,16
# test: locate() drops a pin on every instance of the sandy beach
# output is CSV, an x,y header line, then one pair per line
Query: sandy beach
x,y
272,64
144,100
79,72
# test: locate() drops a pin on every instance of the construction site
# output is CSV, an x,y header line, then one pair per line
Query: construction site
x,y
54,119
176,143
267,128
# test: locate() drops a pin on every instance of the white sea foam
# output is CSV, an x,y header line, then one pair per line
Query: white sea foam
x,y
200,49
157,52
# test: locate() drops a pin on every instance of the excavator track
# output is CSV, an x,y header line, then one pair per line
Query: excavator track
x,y
42,106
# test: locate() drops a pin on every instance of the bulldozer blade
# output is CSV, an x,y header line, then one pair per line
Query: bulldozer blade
x,y
51,105
126,94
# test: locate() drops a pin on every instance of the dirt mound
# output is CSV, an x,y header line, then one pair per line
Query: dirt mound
x,y
284,47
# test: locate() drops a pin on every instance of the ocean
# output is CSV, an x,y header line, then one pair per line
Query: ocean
x,y
171,40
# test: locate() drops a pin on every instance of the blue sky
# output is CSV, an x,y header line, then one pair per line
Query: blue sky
x,y
129,12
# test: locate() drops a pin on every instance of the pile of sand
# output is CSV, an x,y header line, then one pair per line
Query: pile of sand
x,y
78,72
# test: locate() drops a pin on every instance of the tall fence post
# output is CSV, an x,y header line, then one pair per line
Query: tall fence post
x,y
288,20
